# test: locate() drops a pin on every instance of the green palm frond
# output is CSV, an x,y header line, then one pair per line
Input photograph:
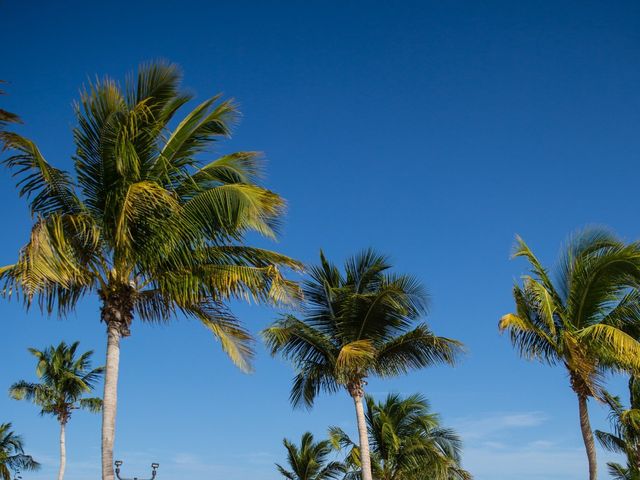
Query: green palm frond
x,y
12,456
310,460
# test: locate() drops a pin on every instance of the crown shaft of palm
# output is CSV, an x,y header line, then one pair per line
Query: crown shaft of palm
x,y
359,322
145,223
587,319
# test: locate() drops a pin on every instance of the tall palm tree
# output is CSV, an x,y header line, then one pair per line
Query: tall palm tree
x,y
144,223
625,438
407,442
12,456
357,324
580,320
310,461
65,380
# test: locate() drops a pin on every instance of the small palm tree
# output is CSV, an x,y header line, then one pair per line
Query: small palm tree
x,y
12,456
65,380
144,223
580,320
407,442
310,461
625,438
356,325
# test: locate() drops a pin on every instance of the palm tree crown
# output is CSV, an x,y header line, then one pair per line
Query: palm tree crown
x,y
310,461
12,456
407,441
356,325
66,379
625,438
143,222
584,318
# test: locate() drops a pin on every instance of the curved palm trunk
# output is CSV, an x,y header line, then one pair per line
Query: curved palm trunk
x,y
63,451
110,401
587,436
357,393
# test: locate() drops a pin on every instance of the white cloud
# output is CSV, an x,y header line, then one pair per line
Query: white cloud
x,y
479,427
503,446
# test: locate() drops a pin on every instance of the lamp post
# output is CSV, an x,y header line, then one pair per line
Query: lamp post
x,y
154,468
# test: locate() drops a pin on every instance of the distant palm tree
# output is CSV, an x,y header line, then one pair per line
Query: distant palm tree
x,y
65,379
625,438
407,442
144,223
356,325
310,461
580,320
12,456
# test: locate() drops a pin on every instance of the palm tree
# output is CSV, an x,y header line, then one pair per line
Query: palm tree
x,y
65,379
144,223
356,325
580,320
12,456
625,438
310,460
407,442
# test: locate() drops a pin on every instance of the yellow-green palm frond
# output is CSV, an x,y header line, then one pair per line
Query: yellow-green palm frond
x,y
616,346
235,341
353,357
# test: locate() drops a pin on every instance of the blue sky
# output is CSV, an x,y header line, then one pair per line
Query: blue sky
x,y
432,131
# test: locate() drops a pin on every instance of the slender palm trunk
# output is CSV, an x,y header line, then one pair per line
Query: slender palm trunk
x,y
357,393
63,452
587,436
117,313
110,400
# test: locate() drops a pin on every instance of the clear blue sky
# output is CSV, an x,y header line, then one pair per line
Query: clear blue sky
x,y
432,131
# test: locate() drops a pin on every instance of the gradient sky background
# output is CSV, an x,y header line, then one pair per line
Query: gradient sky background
x,y
432,131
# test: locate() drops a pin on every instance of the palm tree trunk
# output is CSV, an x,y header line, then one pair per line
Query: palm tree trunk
x,y
117,313
63,452
357,393
110,400
587,436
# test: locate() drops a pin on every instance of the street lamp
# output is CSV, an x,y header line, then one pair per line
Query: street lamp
x,y
154,468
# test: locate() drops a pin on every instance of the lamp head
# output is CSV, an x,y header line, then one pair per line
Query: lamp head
x,y
118,463
155,465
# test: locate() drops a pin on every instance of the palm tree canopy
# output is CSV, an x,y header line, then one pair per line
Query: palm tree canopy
x,y
625,438
407,441
65,380
357,323
12,456
143,220
310,461
587,318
